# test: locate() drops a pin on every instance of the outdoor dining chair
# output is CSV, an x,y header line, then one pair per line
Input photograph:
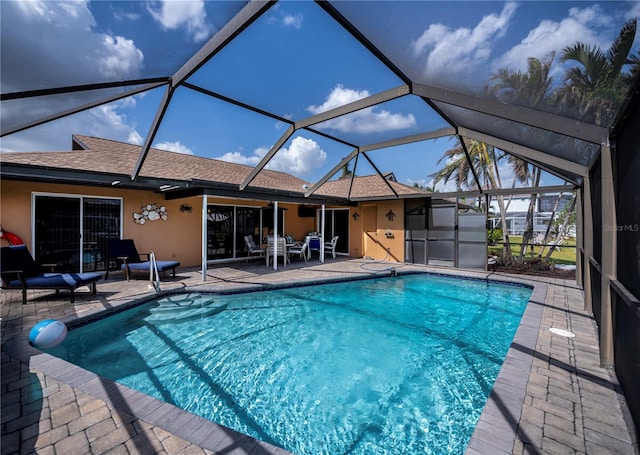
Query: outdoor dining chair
x,y
252,248
330,247
300,248
280,250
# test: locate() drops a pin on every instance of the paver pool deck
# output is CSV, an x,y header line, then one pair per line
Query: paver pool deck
x,y
551,396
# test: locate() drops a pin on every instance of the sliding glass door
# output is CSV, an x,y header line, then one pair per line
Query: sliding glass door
x,y
71,233
336,223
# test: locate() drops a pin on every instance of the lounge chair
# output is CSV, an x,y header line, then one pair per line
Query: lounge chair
x,y
330,247
252,248
300,248
19,271
125,253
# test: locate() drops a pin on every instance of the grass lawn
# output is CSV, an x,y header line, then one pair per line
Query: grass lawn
x,y
566,255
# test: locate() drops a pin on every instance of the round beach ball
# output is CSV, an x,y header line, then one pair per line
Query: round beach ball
x,y
47,333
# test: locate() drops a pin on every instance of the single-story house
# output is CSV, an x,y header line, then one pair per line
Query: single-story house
x,y
66,206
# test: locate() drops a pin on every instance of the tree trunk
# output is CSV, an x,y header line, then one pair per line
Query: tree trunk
x,y
506,245
527,237
561,232
549,224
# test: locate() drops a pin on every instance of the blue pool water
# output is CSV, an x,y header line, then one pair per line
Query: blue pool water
x,y
384,366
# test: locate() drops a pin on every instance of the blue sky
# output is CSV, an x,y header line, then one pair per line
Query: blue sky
x,y
293,62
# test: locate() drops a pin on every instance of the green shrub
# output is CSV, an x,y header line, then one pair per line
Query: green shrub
x,y
494,235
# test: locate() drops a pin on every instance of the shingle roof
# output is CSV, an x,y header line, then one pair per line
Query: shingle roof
x,y
93,154
366,187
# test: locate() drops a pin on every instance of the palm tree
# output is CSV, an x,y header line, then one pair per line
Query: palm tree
x,y
426,188
482,159
596,87
530,89
346,172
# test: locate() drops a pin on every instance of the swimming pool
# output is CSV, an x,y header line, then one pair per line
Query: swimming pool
x,y
392,365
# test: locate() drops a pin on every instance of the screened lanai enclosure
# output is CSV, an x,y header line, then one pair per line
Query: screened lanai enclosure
x,y
474,100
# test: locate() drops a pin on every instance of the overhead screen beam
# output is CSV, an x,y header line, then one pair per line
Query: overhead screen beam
x,y
231,29
525,152
82,108
332,172
550,122
465,149
442,132
164,104
265,160
80,88
380,174
363,103
492,192
247,15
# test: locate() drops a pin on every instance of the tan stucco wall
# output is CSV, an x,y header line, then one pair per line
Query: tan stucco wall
x,y
177,238
380,244
180,236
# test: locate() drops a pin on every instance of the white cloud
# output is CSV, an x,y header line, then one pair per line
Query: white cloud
x,y
294,21
63,49
239,158
103,121
634,11
442,187
302,157
551,36
451,52
369,120
120,57
173,15
176,146
135,138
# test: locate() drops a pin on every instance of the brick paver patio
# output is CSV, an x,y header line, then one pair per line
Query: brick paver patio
x,y
551,396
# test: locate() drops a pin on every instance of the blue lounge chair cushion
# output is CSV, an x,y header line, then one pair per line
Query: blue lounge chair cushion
x,y
163,266
125,253
20,271
57,280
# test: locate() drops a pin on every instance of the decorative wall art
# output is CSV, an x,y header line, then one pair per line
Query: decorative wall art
x,y
390,215
150,212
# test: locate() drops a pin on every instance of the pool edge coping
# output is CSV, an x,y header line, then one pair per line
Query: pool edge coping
x,y
494,430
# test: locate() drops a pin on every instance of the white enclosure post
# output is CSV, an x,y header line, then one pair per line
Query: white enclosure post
x,y
204,237
322,214
275,235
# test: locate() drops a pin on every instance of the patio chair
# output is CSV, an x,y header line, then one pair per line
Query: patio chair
x,y
300,248
281,250
314,245
252,248
330,247
125,253
20,271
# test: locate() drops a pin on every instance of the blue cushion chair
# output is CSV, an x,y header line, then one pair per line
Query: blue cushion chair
x,y
20,271
125,253
314,246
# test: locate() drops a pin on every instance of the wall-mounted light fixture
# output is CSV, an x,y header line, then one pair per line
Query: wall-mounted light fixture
x,y
355,216
186,208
